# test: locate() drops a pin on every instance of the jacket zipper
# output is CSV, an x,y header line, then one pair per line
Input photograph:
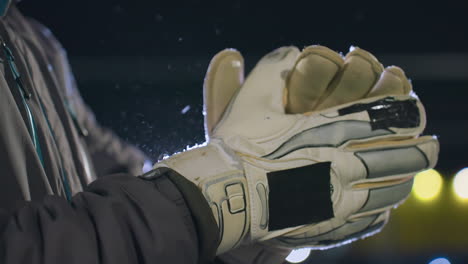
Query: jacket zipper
x,y
25,96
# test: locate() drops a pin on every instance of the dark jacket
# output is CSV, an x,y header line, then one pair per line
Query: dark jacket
x,y
51,149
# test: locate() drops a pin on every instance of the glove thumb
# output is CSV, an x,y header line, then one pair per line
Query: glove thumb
x,y
223,79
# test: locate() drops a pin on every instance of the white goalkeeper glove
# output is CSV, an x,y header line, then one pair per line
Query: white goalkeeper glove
x,y
311,150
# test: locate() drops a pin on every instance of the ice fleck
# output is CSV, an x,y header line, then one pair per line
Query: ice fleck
x,y
185,109
217,31
147,166
118,9
159,17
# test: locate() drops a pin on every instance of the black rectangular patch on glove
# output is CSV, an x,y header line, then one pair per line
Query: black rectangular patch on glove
x,y
299,196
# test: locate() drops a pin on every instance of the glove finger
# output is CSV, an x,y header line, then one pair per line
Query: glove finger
x,y
390,171
328,238
261,98
308,81
401,115
359,74
358,126
264,87
396,159
382,199
223,79
392,82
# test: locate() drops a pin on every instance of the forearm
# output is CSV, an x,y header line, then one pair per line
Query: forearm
x,y
118,219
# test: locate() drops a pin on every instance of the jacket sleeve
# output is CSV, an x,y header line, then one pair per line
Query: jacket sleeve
x,y
107,151
118,220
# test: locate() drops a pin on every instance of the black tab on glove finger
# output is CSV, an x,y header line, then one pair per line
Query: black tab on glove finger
x,y
299,196
388,112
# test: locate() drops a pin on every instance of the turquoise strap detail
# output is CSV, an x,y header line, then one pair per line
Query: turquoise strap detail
x,y
33,130
4,5
66,184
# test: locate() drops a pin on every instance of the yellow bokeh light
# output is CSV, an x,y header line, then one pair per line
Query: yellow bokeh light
x,y
460,184
427,185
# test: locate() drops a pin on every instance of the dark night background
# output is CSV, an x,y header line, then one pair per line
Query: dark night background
x,y
140,63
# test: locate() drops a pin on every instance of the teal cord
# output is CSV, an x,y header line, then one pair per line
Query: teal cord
x,y
24,96
66,184
32,124
33,130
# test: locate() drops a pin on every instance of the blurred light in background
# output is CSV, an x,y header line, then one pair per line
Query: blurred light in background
x,y
298,255
460,184
440,261
427,184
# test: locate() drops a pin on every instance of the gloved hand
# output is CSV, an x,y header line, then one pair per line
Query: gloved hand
x,y
311,150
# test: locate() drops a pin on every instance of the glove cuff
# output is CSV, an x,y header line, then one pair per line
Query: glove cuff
x,y
218,173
